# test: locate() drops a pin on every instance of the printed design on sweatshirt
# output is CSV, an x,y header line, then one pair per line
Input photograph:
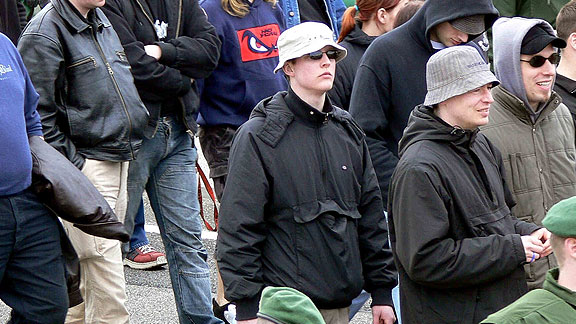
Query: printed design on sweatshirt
x,y
258,43
3,70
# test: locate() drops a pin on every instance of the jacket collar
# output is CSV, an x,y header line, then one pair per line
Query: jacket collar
x,y
551,284
306,113
566,83
71,15
517,107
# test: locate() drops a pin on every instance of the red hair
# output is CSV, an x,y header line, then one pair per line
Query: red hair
x,y
363,11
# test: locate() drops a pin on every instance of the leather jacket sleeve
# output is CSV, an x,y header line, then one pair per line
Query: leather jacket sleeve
x,y
44,60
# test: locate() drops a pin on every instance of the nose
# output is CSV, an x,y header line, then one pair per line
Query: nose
x,y
325,61
488,96
548,68
462,36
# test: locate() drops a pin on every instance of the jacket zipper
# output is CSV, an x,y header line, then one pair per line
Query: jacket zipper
x,y
324,163
148,17
83,61
111,73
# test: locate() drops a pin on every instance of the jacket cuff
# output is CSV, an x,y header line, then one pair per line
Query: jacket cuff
x,y
168,53
518,248
247,309
382,296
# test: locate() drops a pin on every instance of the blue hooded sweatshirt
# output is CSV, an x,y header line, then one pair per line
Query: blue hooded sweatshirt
x,y
244,75
18,120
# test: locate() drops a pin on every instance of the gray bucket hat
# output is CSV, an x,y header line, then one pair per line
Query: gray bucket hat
x,y
303,39
454,71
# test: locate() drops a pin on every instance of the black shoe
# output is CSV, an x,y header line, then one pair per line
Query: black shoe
x,y
219,310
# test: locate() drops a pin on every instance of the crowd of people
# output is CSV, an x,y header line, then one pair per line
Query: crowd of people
x,y
418,153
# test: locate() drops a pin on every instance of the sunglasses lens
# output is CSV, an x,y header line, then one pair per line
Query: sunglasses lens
x,y
554,58
332,54
537,61
316,55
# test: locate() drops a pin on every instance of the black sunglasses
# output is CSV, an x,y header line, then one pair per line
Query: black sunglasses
x,y
332,54
538,61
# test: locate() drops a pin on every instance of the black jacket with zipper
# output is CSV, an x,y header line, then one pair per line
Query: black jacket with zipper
x,y
88,103
456,245
302,209
190,51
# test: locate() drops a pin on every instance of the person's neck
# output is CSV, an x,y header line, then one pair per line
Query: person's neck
x,y
371,28
82,10
312,98
567,276
567,66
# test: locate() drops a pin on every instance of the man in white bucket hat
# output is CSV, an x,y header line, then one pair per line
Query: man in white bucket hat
x,y
301,207
458,250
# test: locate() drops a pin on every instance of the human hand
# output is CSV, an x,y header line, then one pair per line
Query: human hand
x,y
383,314
543,235
533,247
153,50
250,321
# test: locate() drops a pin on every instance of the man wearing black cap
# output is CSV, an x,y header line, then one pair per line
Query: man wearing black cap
x,y
531,127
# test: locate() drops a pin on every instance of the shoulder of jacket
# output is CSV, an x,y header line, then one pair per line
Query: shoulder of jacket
x,y
276,118
344,118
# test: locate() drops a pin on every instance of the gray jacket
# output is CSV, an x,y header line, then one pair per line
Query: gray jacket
x,y
89,105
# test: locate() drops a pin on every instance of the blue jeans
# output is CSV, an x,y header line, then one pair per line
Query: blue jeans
x,y
139,238
32,280
166,168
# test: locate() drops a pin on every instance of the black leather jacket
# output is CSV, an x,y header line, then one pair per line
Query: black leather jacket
x,y
89,105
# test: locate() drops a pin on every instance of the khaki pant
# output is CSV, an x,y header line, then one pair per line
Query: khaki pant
x,y
102,281
335,316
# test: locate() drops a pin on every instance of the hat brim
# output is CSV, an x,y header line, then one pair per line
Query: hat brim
x,y
310,49
460,86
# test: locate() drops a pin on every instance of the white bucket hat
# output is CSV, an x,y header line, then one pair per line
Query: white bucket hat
x,y
303,39
454,71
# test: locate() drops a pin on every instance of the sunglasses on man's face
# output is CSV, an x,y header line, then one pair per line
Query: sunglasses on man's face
x,y
538,61
332,54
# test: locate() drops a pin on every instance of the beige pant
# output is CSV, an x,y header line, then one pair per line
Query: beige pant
x,y
335,316
102,281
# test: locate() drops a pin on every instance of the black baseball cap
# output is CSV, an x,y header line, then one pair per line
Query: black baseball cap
x,y
537,38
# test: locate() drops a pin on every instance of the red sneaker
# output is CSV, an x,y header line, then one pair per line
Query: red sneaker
x,y
145,257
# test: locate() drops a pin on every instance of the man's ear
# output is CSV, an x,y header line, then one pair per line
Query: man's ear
x,y
572,41
570,246
288,69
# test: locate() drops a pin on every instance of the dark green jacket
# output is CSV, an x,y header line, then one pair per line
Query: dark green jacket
x,y
553,304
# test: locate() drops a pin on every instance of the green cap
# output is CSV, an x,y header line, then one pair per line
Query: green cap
x,y
283,305
561,218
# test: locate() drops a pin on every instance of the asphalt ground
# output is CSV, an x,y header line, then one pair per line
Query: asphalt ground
x,y
150,297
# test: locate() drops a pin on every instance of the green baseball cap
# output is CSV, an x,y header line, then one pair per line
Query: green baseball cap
x,y
283,305
561,218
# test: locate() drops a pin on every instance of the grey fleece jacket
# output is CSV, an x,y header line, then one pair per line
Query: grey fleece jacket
x,y
508,34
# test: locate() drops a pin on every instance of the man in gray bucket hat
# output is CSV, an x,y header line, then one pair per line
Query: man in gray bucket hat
x,y
458,250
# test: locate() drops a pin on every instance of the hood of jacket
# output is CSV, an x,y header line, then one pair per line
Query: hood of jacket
x,y
508,34
424,125
358,37
435,12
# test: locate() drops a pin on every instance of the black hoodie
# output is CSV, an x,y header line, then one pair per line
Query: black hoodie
x,y
456,246
356,43
391,79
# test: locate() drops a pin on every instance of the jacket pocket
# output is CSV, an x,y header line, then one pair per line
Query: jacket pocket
x,y
495,222
518,172
83,64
